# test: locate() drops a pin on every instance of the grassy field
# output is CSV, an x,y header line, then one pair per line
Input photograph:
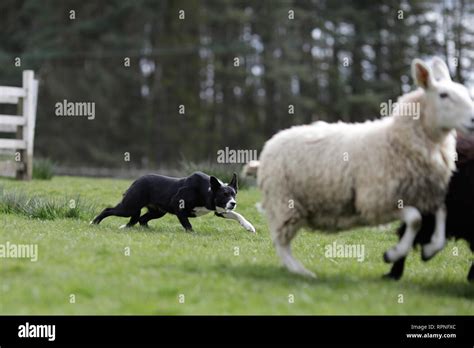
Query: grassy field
x,y
90,262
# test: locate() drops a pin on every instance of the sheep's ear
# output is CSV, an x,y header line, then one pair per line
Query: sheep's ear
x,y
215,184
422,74
440,69
233,183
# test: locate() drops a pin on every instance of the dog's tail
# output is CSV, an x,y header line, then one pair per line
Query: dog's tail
x,y
250,169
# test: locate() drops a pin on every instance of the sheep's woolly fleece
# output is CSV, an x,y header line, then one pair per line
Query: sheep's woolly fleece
x,y
337,176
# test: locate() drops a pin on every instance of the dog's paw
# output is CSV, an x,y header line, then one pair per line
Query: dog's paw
x,y
123,226
249,227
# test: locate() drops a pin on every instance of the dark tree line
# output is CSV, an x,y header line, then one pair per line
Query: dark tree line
x,y
239,69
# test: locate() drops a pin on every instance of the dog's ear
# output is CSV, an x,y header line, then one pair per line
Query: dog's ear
x,y
233,183
215,184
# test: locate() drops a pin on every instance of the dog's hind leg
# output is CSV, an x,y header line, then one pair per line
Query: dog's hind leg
x,y
133,220
150,215
118,210
105,213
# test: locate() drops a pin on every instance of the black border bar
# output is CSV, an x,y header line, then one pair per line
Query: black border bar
x,y
261,330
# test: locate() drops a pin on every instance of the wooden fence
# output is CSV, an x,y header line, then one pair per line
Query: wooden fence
x,y
22,125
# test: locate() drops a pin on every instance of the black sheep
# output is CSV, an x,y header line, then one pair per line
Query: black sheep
x,y
460,206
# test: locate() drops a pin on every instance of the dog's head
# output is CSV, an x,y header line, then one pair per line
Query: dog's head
x,y
224,194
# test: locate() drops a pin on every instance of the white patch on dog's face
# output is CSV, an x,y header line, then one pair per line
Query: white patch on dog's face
x,y
231,204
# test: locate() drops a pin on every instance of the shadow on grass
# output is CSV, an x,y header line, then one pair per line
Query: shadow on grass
x,y
458,289
280,276
274,274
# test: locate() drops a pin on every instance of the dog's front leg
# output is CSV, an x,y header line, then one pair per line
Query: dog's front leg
x,y
236,216
183,218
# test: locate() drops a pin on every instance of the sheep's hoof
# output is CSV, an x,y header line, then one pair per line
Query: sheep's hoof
x,y
427,253
388,257
298,268
305,273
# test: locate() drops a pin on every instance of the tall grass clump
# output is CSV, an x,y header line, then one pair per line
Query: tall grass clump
x,y
43,169
44,208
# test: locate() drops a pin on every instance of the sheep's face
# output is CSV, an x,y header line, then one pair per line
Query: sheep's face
x,y
224,195
448,104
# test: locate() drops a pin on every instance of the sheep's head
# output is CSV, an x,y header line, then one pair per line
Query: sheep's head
x,y
448,104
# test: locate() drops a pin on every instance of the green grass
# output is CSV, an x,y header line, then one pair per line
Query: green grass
x,y
90,262
43,169
44,208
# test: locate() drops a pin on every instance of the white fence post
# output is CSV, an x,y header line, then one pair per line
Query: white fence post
x,y
29,112
22,124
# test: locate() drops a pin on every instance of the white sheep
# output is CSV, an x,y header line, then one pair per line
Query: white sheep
x,y
337,176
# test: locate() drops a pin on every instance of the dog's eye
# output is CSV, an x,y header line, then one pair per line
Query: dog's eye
x,y
443,95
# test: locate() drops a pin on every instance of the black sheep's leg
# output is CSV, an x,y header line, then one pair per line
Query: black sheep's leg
x,y
470,275
396,271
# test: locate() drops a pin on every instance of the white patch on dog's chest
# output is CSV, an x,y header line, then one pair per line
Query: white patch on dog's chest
x,y
199,211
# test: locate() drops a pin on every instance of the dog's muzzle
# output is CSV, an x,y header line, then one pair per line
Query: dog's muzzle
x,y
231,205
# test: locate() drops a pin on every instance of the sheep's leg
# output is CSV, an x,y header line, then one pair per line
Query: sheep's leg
x,y
470,275
412,218
396,271
438,239
282,240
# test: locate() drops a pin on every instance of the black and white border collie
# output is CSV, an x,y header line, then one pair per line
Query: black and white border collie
x,y
192,196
